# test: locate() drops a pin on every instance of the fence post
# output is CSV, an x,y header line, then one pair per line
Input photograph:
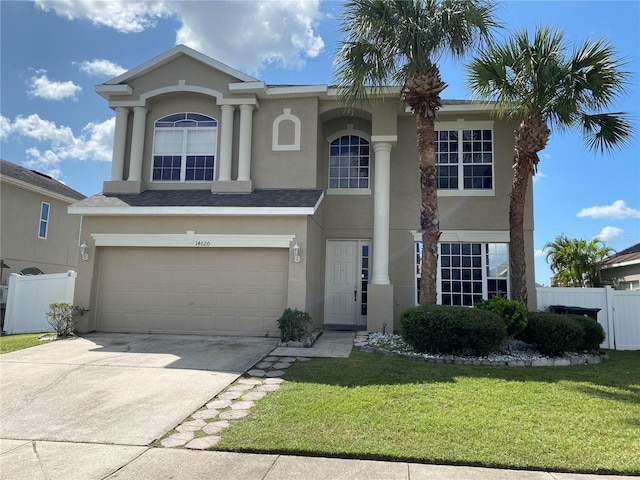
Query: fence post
x,y
611,323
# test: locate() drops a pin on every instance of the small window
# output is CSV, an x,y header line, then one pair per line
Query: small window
x,y
44,220
349,163
184,148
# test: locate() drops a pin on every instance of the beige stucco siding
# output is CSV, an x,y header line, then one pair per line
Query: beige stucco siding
x,y
284,168
193,72
19,222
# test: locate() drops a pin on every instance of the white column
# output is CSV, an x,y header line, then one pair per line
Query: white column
x,y
119,143
226,143
137,143
244,151
381,196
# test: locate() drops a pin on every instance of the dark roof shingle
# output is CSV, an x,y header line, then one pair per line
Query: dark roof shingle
x,y
204,198
38,179
629,254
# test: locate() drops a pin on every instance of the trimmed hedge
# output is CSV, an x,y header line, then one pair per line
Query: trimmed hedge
x,y
452,330
513,313
553,334
593,333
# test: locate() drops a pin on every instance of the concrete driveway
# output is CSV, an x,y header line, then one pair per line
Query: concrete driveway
x,y
115,389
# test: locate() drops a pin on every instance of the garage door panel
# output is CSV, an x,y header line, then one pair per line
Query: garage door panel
x,y
275,302
189,290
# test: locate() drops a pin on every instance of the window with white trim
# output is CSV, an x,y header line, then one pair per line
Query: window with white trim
x,y
464,159
468,272
43,226
349,163
184,148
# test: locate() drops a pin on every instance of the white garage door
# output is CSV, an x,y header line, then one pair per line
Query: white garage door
x,y
220,291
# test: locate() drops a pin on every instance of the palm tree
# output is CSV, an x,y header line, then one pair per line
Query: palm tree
x,y
545,84
576,263
397,43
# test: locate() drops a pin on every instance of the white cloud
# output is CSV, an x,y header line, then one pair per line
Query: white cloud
x,y
617,209
95,142
539,253
244,34
40,86
5,127
121,15
256,33
609,234
101,66
539,176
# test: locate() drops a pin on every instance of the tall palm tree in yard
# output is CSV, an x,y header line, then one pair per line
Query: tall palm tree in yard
x,y
576,262
546,84
398,43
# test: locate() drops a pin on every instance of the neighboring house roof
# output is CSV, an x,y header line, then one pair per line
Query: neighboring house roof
x,y
37,179
200,200
628,256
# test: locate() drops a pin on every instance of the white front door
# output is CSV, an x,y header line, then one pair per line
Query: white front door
x,y
346,282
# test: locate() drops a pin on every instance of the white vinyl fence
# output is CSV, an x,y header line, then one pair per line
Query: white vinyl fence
x,y
29,298
619,312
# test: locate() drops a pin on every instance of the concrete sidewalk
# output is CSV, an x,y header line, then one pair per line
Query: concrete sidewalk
x,y
51,461
165,464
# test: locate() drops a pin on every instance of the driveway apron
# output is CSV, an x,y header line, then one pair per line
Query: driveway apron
x,y
117,389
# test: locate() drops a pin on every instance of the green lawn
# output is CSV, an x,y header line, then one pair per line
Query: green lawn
x,y
581,418
11,343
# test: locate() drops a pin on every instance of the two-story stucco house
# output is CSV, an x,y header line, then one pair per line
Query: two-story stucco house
x,y
36,232
230,200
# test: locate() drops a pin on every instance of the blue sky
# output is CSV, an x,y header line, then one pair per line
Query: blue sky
x,y
53,53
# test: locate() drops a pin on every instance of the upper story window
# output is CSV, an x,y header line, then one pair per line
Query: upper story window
x,y
43,226
349,163
464,158
184,148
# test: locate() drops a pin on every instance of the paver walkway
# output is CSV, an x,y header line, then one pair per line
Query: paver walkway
x,y
203,429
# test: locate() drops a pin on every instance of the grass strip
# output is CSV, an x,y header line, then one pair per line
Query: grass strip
x,y
575,419
11,343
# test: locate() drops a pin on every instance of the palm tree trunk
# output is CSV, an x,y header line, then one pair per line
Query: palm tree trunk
x,y
531,136
429,219
517,261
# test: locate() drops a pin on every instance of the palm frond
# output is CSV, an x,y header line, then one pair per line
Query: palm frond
x,y
604,131
541,76
394,40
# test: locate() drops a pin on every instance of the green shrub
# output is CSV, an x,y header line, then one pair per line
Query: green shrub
x,y
61,317
554,334
592,333
513,313
293,325
452,330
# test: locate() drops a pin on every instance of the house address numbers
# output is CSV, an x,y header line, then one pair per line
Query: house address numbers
x,y
202,243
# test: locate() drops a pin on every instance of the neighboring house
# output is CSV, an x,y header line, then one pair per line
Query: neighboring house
x,y
36,232
622,270
230,200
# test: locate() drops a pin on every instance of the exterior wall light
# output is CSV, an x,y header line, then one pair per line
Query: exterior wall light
x,y
84,251
296,253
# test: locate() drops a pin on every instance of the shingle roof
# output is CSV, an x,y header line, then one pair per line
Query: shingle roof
x,y
37,179
204,198
629,254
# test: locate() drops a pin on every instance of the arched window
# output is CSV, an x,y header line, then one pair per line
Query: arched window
x,y
184,148
349,162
